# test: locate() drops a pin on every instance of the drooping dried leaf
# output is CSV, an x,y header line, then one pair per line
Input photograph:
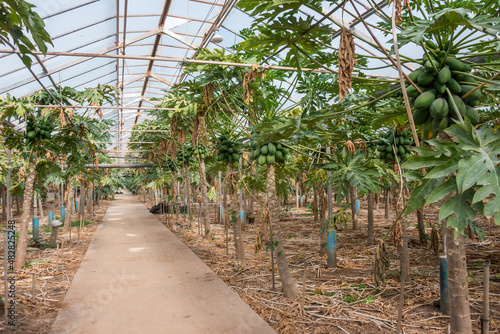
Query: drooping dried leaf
x,y
399,9
62,118
361,144
347,60
397,235
349,145
248,78
202,130
381,262
208,93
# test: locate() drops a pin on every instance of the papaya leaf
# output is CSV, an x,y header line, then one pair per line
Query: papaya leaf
x,y
420,194
458,211
443,170
442,190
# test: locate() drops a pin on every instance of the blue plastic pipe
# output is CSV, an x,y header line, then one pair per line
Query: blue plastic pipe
x,y
63,213
331,249
36,228
76,206
357,206
443,285
242,216
301,199
51,216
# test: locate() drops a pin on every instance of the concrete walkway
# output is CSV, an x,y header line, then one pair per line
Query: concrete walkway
x,y
137,277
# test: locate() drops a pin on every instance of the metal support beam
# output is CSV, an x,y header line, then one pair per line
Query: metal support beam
x,y
163,17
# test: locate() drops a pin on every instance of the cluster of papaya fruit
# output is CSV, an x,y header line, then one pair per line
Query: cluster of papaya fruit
x,y
188,156
395,142
38,130
229,151
201,152
444,81
269,153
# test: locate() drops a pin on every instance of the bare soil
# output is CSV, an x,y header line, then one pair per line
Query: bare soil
x,y
345,299
53,270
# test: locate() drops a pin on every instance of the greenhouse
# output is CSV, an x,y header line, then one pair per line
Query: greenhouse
x,y
273,166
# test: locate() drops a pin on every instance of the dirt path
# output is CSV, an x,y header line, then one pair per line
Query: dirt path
x,y
137,277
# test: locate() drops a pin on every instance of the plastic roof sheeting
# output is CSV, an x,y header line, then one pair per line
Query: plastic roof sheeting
x,y
99,27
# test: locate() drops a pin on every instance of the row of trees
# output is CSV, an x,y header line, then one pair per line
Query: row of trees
x,y
358,142
351,132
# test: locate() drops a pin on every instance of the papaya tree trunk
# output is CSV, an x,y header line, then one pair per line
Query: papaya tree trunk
x,y
370,218
4,203
352,192
314,205
204,201
421,227
81,204
387,203
187,193
89,204
289,288
460,321
69,201
323,206
232,181
23,232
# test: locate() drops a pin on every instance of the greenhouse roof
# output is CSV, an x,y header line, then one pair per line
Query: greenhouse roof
x,y
140,46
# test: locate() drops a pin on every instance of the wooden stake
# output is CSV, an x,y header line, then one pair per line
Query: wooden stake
x,y
485,320
403,279
58,256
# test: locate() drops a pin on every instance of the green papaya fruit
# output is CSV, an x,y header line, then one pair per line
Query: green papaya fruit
x,y
271,159
460,105
414,75
271,148
412,91
444,75
264,150
420,116
472,97
454,64
441,88
469,79
401,150
262,159
439,108
454,86
431,45
279,156
430,65
472,115
459,77
425,78
425,100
